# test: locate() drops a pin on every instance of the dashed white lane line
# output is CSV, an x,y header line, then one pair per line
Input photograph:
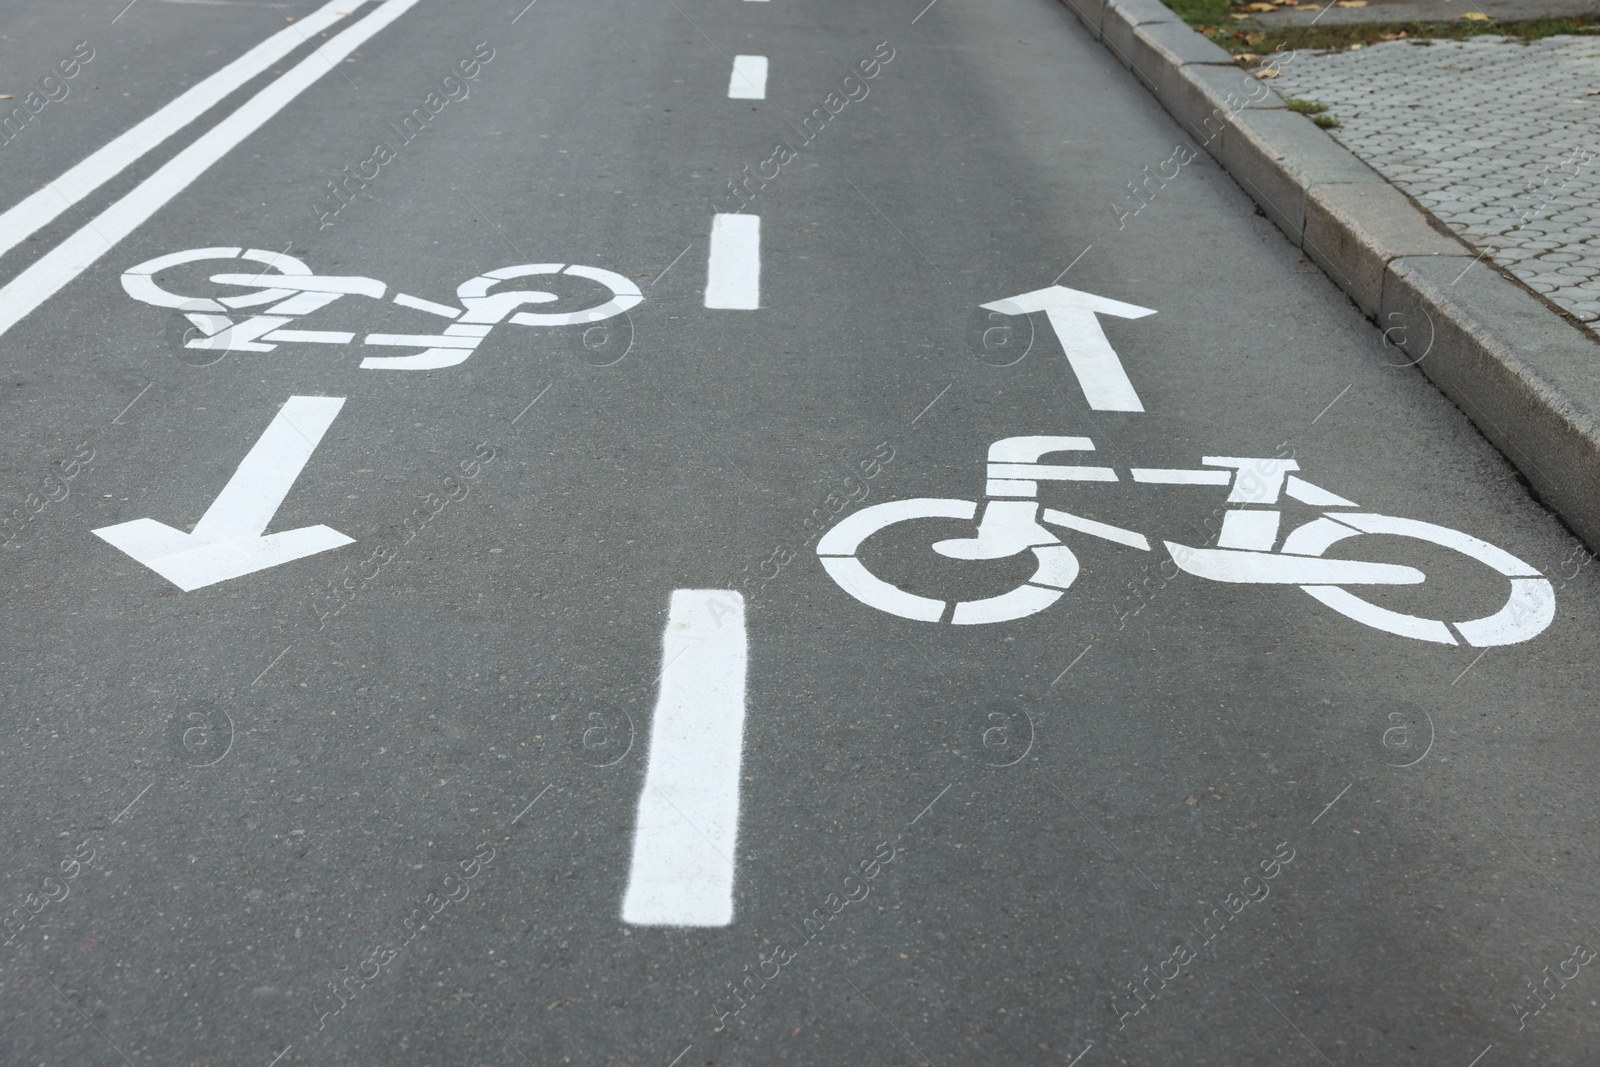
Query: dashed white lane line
x,y
33,213
733,272
685,840
749,78
51,273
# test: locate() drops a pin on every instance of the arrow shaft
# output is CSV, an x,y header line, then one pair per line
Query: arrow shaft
x,y
1097,366
257,489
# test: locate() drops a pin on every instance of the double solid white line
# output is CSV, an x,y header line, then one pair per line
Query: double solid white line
x,y
38,210
77,253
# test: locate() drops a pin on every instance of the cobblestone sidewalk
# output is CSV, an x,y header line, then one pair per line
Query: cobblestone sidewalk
x,y
1498,139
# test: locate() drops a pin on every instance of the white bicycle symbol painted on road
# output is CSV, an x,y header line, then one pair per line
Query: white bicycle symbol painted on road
x,y
1013,521
293,290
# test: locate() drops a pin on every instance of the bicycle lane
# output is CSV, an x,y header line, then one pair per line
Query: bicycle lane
x,y
691,433
163,669
1218,718
149,687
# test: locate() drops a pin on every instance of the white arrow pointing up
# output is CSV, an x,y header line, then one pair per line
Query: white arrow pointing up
x,y
1072,316
227,541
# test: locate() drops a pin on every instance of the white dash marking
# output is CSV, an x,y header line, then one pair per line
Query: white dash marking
x,y
749,78
282,1054
680,1056
685,839
1480,1056
733,273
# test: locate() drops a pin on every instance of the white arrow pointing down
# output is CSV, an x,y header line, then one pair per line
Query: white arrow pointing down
x,y
227,542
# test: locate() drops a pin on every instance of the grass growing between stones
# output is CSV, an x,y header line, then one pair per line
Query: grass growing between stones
x,y
1247,37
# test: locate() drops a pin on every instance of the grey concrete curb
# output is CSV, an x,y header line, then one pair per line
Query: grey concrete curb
x,y
1526,376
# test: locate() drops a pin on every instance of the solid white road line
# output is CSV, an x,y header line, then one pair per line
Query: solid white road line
x,y
749,78
77,253
685,840
33,213
733,273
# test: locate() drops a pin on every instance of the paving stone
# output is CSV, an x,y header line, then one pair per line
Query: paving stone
x,y
1485,135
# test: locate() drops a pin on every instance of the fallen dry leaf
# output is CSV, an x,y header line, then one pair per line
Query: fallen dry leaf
x,y
1351,3
1475,16
1273,73
6,96
1262,8
1247,57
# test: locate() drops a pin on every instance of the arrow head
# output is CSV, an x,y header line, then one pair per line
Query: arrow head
x,y
227,542
1073,316
1059,298
191,563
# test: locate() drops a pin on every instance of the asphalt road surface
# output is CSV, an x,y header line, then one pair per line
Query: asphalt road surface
x,y
401,672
